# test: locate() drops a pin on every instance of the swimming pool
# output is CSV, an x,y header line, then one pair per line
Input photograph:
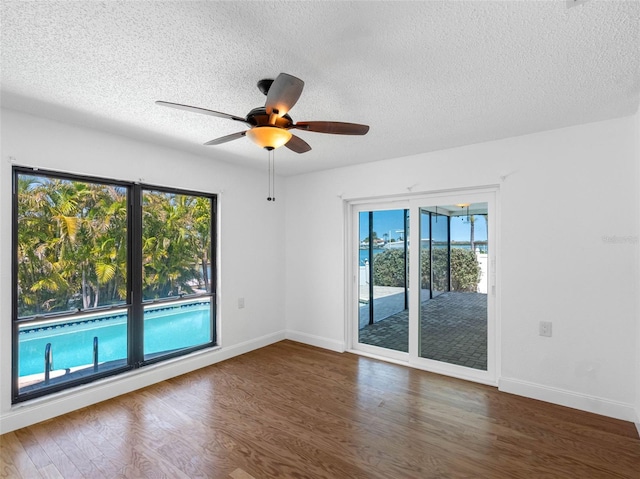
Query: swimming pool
x,y
176,326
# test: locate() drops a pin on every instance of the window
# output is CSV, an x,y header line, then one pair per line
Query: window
x,y
176,245
108,276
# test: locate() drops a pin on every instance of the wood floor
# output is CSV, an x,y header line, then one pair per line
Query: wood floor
x,y
294,411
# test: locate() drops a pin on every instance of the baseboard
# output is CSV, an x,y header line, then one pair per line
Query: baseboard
x,y
38,410
638,422
583,402
318,341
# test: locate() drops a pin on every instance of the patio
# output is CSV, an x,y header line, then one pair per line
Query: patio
x,y
453,329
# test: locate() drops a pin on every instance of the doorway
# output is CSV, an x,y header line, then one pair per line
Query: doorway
x,y
448,324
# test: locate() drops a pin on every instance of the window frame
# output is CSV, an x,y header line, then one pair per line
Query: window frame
x,y
134,303
138,315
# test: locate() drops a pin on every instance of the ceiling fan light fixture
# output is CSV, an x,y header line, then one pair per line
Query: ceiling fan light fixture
x,y
269,125
269,137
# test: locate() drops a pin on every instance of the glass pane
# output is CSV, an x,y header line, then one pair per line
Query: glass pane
x,y
70,348
439,253
71,257
453,315
425,255
384,259
72,245
176,326
364,263
176,242
176,262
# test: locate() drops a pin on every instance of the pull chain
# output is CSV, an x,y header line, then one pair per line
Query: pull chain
x,y
272,177
269,178
273,174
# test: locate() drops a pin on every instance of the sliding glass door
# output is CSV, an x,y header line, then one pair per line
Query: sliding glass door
x,y
449,327
453,308
383,288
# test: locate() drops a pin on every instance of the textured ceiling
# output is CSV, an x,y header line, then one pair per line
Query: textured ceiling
x,y
424,75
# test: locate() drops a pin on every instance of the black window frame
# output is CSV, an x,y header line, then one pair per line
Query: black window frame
x,y
134,303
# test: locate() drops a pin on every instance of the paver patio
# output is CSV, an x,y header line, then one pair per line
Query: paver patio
x,y
453,330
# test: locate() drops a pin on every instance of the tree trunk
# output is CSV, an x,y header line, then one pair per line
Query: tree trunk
x,y
96,297
472,220
85,297
205,274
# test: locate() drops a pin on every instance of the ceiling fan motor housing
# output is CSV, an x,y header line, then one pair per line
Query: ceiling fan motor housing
x,y
260,117
264,85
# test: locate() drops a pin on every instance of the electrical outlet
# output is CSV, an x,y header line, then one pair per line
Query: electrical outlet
x,y
240,303
545,328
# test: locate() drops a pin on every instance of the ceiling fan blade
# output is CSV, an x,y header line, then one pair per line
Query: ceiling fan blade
x,y
224,139
204,111
283,94
333,127
297,144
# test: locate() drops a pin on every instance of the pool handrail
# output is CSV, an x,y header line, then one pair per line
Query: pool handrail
x,y
48,362
95,354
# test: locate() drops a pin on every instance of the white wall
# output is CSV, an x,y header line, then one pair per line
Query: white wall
x,y
567,196
569,254
638,296
251,251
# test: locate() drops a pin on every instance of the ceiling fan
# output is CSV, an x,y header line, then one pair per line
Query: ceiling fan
x,y
270,124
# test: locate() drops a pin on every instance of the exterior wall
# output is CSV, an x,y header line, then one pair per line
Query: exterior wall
x,y
568,254
244,268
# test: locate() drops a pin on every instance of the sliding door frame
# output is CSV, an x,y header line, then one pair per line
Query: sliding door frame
x,y
413,202
355,209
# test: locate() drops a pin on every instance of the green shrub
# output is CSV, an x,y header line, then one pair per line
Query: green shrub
x,y
440,279
389,268
465,270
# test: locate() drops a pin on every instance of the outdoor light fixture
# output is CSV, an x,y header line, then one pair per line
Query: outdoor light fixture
x,y
269,137
465,205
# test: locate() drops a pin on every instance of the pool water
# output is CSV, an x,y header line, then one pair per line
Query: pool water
x,y
165,329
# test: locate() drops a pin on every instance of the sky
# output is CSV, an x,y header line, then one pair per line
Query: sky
x,y
390,222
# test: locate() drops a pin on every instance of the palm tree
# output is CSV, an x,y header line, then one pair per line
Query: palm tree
x,y
47,228
71,242
104,248
202,235
472,222
174,242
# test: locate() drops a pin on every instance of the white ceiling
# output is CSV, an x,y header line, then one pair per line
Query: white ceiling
x,y
424,75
